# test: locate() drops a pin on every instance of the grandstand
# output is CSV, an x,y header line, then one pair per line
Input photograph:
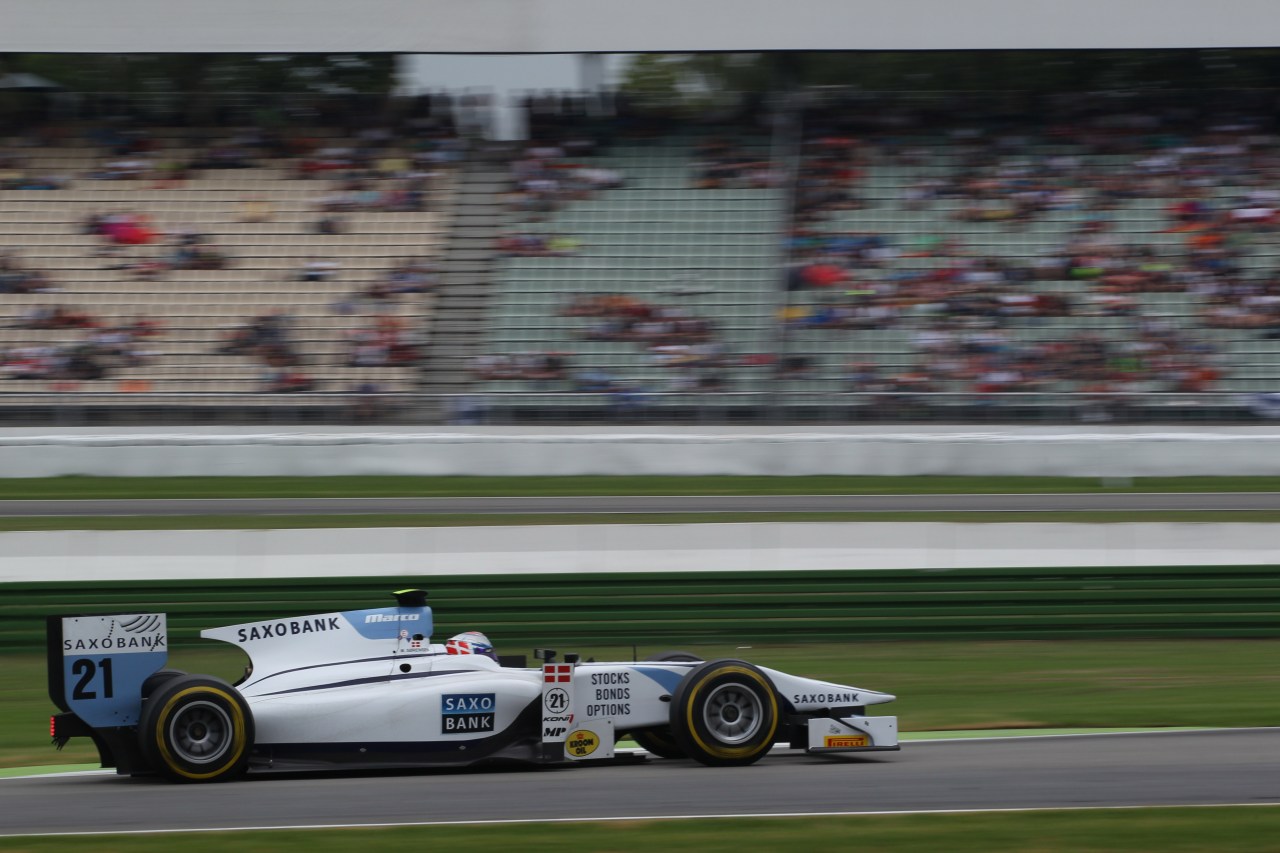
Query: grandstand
x,y
698,254
261,221
974,225
1153,338
1048,259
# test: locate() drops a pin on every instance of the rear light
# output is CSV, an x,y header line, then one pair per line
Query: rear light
x,y
63,727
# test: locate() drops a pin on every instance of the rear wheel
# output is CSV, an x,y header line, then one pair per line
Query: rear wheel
x,y
725,713
158,678
196,728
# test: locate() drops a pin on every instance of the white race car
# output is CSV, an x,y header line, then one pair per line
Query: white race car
x,y
367,689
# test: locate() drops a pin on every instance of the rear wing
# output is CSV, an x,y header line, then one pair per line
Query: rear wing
x,y
98,664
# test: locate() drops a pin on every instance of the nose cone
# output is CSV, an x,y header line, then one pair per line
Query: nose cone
x,y
872,697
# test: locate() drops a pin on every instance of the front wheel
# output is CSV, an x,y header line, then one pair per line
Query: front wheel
x,y
725,713
196,728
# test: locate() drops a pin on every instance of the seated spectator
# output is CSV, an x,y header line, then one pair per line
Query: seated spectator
x,y
171,174
794,367
192,251
381,343
142,268
224,156
84,362
368,349
122,169
331,225
413,275
1190,214
529,245
288,381
595,381
864,377
122,229
55,317
266,336
491,367
121,343
16,278
31,362
319,270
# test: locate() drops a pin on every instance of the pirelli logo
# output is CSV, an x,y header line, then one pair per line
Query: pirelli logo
x,y
844,741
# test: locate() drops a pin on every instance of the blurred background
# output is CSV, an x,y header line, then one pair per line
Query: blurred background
x,y
269,278
996,236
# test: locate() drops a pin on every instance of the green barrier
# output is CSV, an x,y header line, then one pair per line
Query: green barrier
x,y
667,607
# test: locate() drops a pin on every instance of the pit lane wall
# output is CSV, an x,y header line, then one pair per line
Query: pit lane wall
x,y
673,584
778,451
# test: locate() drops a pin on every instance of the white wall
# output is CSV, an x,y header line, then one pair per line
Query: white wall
x,y
911,451
611,26
607,548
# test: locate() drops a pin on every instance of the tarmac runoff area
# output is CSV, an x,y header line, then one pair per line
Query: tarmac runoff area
x,y
904,737
1116,770
79,555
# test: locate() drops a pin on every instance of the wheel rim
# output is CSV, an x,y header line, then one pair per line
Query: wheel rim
x,y
733,713
200,732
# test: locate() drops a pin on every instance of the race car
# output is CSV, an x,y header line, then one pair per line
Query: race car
x,y
368,689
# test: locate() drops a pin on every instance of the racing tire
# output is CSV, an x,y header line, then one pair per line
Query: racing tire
x,y
196,728
155,679
725,713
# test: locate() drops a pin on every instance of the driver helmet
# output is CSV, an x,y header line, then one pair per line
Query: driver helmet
x,y
470,643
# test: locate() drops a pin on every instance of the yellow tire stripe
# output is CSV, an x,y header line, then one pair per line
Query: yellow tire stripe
x,y
237,734
732,751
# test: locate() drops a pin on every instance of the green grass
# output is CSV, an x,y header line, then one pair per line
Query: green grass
x,y
940,685
278,522
1194,830
356,487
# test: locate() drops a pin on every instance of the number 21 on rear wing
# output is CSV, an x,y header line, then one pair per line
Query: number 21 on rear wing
x,y
97,667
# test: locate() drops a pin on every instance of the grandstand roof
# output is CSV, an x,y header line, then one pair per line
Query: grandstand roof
x,y
575,26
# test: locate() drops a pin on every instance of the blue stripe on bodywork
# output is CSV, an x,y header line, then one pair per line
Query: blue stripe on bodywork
x,y
351,682
247,684
664,677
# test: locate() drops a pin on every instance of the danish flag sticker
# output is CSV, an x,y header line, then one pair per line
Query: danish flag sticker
x,y
557,673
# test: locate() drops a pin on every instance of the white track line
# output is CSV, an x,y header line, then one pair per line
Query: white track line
x,y
616,818
985,739
61,774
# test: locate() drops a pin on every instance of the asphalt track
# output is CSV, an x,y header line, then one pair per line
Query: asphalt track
x,y
1186,768
1085,502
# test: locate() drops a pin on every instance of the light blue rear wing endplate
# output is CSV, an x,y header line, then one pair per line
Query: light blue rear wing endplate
x,y
106,659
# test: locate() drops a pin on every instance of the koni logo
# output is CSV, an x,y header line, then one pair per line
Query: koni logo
x,y
392,617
